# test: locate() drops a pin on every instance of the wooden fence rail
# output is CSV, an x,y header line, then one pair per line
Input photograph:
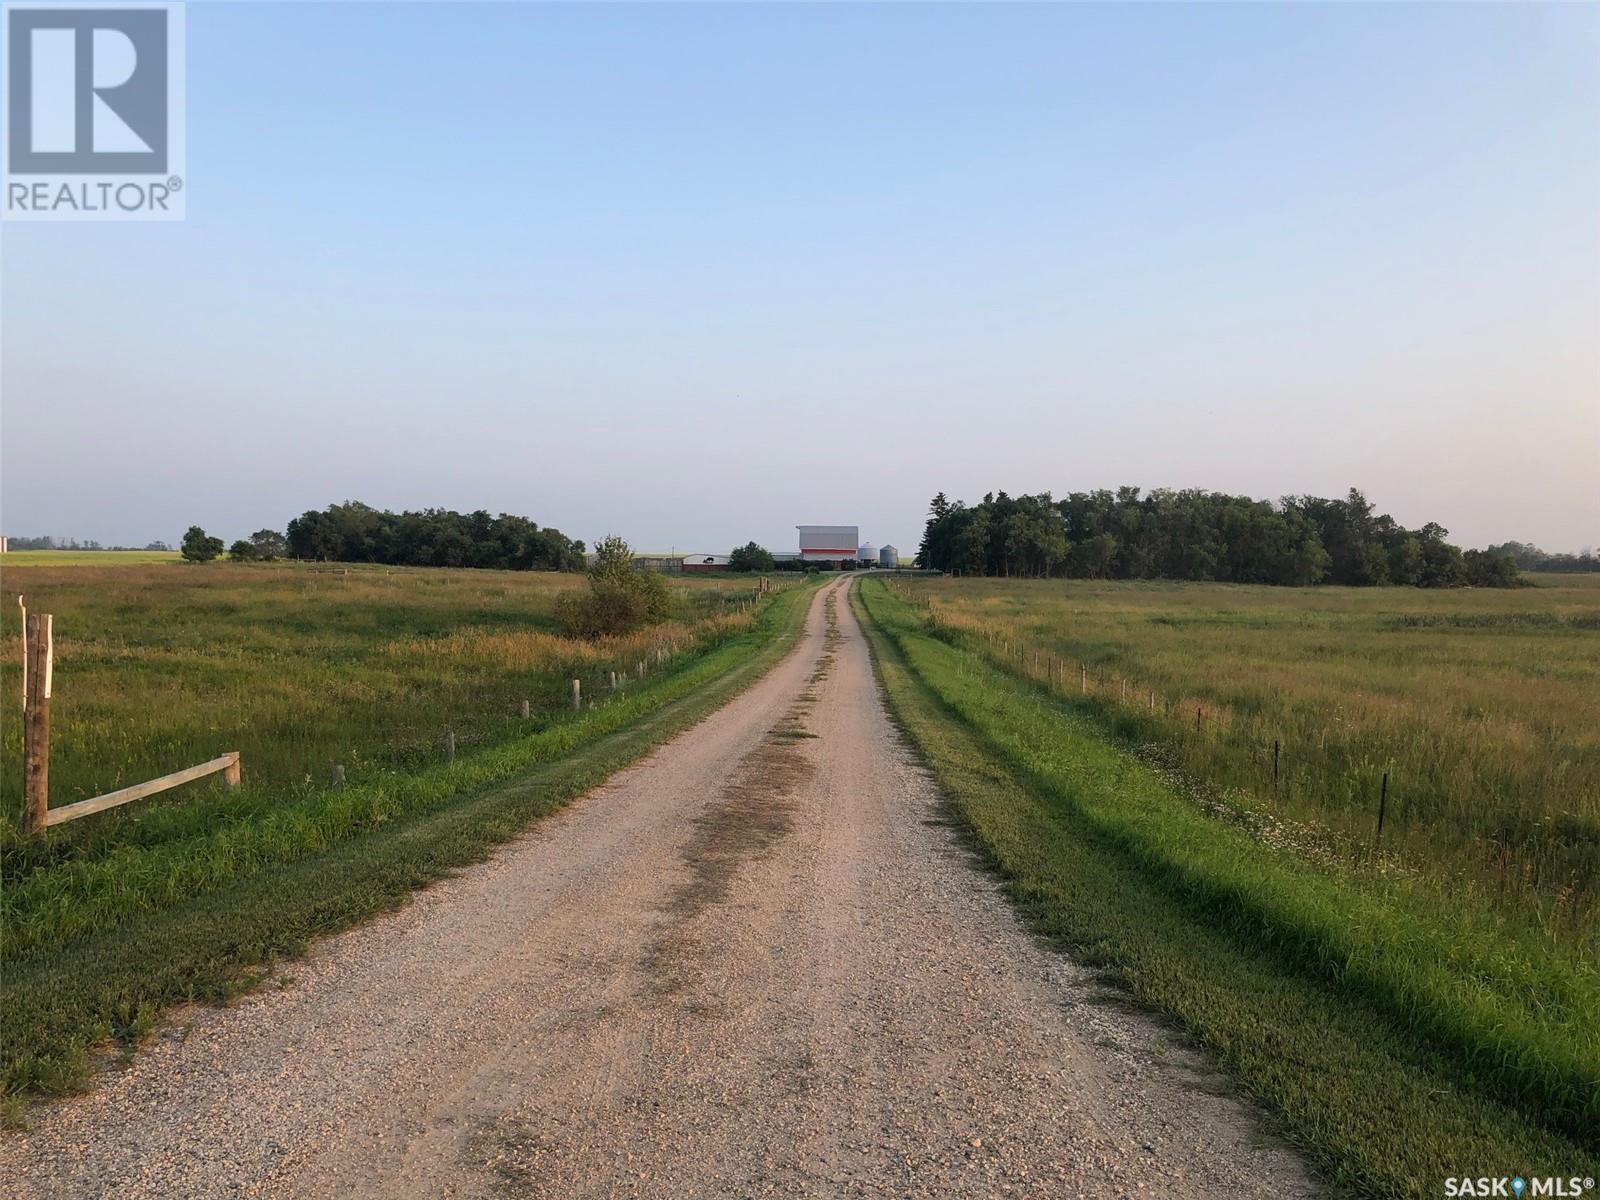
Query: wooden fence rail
x,y
227,765
38,670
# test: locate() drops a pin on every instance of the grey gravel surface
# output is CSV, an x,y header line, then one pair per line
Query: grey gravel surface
x,y
758,962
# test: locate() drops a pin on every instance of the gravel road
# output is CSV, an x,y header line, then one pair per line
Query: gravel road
x,y
756,963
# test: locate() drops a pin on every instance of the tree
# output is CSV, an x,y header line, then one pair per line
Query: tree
x,y
1095,556
268,544
750,557
1488,569
1442,563
1308,565
242,551
198,547
971,551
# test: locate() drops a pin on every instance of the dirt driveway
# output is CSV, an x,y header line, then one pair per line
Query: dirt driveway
x,y
756,963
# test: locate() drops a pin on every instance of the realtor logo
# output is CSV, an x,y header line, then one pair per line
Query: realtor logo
x,y
94,112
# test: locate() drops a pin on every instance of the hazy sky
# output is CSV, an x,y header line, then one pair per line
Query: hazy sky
x,y
698,274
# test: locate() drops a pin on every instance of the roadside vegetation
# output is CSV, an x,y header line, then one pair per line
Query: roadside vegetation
x,y
106,920
1401,1028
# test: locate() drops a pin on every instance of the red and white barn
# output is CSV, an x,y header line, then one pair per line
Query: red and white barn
x,y
829,543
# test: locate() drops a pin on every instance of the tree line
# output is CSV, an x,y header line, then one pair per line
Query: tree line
x,y
1531,558
1198,535
59,543
431,537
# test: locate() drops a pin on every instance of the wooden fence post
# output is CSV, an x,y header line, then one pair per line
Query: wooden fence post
x,y
1383,805
39,660
577,693
23,608
1083,678
338,775
449,745
526,708
613,681
233,773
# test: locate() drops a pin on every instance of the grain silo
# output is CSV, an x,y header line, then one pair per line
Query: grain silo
x,y
888,557
867,554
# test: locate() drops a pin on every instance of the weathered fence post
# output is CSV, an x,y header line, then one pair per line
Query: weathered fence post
x,y
1083,678
1383,805
1199,715
338,775
613,681
577,693
1275,748
23,609
233,773
526,709
39,660
449,745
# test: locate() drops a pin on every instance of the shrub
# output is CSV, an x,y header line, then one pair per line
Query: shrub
x,y
621,597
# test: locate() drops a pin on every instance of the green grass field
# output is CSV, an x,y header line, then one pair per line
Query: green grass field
x,y
105,920
14,559
301,667
1400,1020
1481,707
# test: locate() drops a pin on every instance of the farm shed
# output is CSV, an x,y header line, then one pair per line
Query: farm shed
x,y
705,562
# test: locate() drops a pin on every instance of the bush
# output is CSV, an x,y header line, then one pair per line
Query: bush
x,y
621,597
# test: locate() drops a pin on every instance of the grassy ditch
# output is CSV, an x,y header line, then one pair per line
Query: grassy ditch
x,y
95,949
1399,1044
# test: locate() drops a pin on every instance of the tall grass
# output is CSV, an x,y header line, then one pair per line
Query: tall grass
x,y
104,921
1379,1107
299,668
1519,1015
1482,708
